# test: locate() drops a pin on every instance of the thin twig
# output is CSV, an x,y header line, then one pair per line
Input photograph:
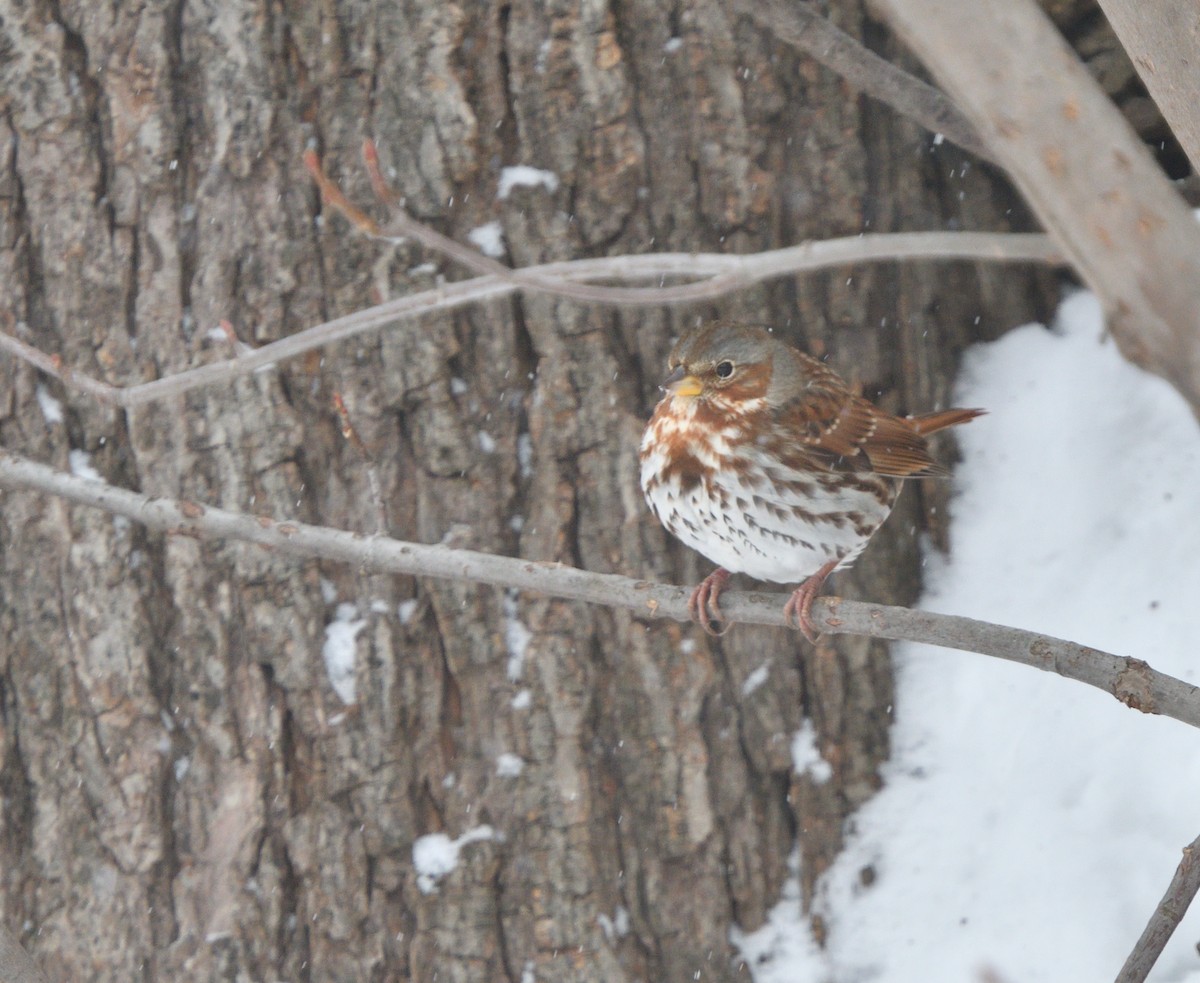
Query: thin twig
x,y
735,272
401,225
1166,917
1131,681
801,26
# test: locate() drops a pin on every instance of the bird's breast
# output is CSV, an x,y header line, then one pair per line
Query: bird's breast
x,y
752,501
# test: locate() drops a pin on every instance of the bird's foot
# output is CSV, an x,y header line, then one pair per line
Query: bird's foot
x,y
703,606
797,612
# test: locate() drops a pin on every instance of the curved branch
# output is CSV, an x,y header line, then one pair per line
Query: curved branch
x,y
1131,681
723,274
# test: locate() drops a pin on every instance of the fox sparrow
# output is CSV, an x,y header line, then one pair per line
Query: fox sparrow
x,y
763,460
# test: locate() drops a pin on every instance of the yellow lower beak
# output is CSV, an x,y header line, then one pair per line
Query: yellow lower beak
x,y
689,385
678,383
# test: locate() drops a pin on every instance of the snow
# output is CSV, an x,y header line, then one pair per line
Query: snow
x,y
516,636
615,927
523,176
80,463
509,765
435,855
756,679
488,239
806,756
328,590
543,57
52,410
525,454
1029,824
783,950
522,700
406,609
340,649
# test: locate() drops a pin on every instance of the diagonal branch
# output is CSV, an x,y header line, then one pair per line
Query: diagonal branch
x,y
1084,172
720,273
1166,917
1160,39
1131,681
801,26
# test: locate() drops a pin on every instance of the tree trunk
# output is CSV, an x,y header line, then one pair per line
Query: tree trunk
x,y
185,796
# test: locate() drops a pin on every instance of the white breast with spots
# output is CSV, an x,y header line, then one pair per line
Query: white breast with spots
x,y
752,514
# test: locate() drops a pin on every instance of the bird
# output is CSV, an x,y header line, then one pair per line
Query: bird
x,y
762,459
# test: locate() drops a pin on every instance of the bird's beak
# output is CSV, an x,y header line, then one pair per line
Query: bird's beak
x,y
679,383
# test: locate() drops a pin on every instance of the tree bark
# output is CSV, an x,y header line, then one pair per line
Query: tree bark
x,y
185,796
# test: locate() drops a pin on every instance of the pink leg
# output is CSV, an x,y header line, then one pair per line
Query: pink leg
x,y
798,610
702,605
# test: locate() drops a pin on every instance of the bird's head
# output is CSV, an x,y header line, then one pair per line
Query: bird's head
x,y
726,365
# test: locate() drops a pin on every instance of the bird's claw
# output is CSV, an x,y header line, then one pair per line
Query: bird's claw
x,y
797,612
703,605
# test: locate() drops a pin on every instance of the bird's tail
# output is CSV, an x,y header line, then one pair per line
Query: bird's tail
x,y
929,423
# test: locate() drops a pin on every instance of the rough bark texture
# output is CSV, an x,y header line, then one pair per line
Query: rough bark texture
x,y
184,794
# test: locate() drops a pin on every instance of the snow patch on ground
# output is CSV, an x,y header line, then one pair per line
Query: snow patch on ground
x,y
1029,824
783,950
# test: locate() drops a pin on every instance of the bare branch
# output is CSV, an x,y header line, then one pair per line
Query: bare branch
x,y
725,273
801,26
1166,917
1131,681
1160,37
1092,183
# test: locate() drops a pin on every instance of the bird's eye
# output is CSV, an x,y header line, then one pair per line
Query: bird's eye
x,y
724,369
